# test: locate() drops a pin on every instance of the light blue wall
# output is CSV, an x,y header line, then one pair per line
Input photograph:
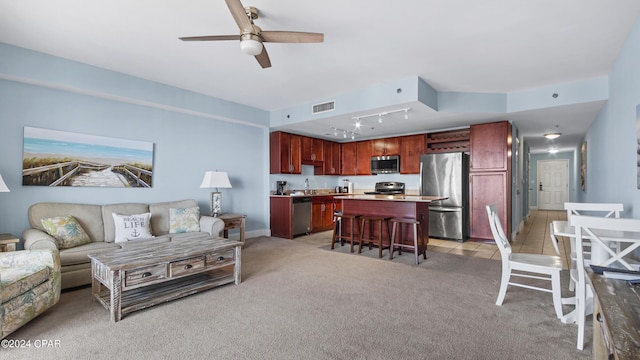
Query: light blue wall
x,y
191,133
612,141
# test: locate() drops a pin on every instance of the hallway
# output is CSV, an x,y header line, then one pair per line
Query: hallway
x,y
532,238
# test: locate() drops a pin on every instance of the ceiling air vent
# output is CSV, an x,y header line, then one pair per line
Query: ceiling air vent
x,y
320,108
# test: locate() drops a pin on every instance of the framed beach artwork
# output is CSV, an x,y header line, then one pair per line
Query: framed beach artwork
x,y
61,158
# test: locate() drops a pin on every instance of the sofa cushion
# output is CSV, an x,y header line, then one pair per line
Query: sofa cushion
x,y
18,280
123,209
78,255
184,220
160,214
66,230
132,227
89,216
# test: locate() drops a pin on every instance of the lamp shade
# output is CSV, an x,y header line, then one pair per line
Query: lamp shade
x,y
215,179
3,186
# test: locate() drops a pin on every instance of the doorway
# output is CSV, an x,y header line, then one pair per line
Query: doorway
x,y
553,184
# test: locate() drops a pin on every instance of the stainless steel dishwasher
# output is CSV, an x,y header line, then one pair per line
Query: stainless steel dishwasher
x,y
301,214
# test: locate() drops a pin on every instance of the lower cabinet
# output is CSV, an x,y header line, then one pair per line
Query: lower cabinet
x,y
488,188
322,208
281,217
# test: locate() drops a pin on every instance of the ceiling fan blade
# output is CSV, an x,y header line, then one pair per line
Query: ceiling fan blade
x,y
239,15
291,37
210,38
263,58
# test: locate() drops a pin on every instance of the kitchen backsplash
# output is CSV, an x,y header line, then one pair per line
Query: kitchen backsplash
x,y
360,183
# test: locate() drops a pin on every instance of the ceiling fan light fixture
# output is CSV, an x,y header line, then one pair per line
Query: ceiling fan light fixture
x,y
251,46
552,136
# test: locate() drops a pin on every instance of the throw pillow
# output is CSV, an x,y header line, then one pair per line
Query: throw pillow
x,y
182,220
66,230
132,227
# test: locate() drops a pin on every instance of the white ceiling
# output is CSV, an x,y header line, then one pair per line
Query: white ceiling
x,y
489,46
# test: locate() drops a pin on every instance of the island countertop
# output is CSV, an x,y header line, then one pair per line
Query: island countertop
x,y
390,206
407,198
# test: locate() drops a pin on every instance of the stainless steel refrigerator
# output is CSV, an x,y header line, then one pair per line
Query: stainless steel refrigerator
x,y
447,175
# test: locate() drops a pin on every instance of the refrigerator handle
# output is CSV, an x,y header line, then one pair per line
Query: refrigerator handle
x,y
420,181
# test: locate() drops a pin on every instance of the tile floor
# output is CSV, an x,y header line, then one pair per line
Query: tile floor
x,y
532,238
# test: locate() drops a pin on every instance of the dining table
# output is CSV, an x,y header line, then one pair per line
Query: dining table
x,y
598,255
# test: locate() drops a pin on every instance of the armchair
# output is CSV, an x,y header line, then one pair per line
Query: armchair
x,y
29,285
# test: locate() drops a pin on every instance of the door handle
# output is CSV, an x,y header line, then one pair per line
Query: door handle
x,y
541,186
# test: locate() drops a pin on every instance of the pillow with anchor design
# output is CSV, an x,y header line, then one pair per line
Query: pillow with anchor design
x,y
132,227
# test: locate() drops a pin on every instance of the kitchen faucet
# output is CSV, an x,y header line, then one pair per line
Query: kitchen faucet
x,y
306,184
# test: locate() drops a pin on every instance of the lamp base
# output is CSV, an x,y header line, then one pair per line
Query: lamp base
x,y
216,203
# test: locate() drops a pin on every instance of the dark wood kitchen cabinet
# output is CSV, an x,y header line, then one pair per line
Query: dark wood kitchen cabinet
x,y
312,150
281,217
363,157
322,208
332,156
490,176
385,146
348,158
411,147
490,146
488,188
284,153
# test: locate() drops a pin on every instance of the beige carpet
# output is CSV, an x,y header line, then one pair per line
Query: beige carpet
x,y
299,301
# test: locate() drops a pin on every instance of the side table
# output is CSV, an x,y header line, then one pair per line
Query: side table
x,y
233,221
8,242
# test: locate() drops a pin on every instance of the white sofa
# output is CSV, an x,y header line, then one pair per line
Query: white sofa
x,y
98,223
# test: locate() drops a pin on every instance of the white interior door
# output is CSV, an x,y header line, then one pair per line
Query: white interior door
x,y
553,184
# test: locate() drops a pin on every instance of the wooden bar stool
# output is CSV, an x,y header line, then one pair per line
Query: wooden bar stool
x,y
417,232
373,220
338,222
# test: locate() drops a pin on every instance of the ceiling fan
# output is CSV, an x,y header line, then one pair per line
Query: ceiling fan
x,y
251,36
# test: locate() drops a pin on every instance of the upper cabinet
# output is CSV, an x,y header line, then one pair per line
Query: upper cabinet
x,y
385,147
348,158
363,155
411,147
312,150
284,153
331,158
490,146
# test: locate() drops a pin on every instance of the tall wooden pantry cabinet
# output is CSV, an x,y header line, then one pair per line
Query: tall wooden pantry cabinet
x,y
489,176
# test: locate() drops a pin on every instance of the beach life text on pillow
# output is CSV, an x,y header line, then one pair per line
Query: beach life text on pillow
x,y
132,227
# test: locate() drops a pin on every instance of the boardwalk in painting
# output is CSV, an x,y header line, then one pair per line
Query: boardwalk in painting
x,y
103,178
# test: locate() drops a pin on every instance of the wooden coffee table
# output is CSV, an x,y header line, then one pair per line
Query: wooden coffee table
x,y
127,280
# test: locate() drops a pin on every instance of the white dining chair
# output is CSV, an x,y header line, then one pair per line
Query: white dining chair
x,y
603,233
607,210
547,267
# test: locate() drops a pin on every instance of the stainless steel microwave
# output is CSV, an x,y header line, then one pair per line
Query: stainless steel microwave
x,y
385,164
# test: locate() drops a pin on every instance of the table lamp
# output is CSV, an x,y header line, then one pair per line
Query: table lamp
x,y
215,180
3,186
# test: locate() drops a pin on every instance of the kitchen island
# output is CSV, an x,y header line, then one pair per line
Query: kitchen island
x,y
407,206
